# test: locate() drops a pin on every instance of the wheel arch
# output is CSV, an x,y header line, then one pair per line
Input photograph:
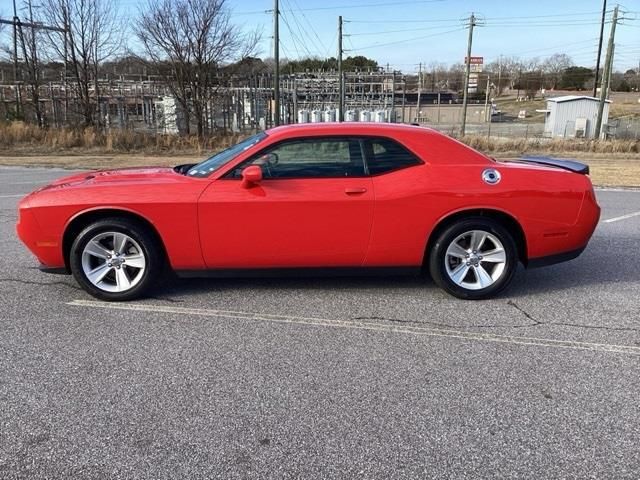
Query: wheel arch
x,y
81,220
505,219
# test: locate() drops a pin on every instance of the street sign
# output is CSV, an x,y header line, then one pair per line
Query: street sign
x,y
475,63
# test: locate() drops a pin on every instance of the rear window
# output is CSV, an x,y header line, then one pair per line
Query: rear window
x,y
385,155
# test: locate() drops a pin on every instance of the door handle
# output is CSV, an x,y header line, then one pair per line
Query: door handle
x,y
355,191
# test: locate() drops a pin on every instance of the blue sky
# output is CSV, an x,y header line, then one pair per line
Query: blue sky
x,y
404,33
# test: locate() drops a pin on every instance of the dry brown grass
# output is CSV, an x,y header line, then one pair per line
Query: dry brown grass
x,y
555,146
616,172
99,161
612,162
26,138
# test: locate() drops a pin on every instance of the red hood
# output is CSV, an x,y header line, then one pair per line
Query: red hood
x,y
120,175
124,175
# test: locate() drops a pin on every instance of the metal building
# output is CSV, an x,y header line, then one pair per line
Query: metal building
x,y
573,116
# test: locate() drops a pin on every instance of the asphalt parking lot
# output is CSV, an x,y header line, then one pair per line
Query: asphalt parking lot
x,y
324,378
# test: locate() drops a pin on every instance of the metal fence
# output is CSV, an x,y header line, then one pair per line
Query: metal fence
x,y
495,130
627,128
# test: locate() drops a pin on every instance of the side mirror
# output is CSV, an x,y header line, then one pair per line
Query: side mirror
x,y
251,176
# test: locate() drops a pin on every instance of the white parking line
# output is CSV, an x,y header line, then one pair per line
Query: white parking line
x,y
622,217
13,196
362,325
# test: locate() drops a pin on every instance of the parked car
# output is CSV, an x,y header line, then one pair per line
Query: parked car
x,y
337,198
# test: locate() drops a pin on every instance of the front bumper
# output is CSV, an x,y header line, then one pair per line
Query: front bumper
x,y
46,247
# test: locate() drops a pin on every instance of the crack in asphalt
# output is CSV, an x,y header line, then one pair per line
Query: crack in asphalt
x,y
435,324
566,324
534,322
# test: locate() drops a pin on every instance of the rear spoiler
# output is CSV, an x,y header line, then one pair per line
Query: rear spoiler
x,y
571,165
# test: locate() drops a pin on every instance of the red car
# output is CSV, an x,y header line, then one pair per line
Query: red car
x,y
347,197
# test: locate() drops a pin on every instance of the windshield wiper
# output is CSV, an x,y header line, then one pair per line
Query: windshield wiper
x,y
184,168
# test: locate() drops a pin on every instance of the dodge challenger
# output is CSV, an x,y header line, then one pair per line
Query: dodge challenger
x,y
321,198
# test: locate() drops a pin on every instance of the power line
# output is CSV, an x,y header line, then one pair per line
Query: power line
x,y
295,43
383,32
439,20
522,52
343,7
296,40
490,18
302,38
315,33
409,39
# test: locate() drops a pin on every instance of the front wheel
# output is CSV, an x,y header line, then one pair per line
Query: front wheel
x,y
116,259
474,258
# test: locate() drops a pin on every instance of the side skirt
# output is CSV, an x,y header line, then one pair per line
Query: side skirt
x,y
299,272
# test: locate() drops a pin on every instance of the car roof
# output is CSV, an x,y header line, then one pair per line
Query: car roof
x,y
349,127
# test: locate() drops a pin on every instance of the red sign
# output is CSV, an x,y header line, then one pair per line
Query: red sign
x,y
475,60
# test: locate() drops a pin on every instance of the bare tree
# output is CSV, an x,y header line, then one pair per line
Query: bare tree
x,y
193,38
94,34
30,39
513,67
499,75
455,76
554,66
437,75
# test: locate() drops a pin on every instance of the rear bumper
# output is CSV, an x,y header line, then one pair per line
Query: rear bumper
x,y
569,243
54,270
555,258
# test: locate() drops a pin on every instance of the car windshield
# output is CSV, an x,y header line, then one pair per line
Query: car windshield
x,y
211,164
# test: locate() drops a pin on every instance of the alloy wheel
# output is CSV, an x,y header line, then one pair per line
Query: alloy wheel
x,y
475,260
113,262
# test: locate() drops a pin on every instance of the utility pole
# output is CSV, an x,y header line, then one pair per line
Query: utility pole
x,y
15,59
419,92
276,58
613,52
66,63
499,75
608,65
35,68
17,26
340,82
486,105
604,14
472,23
486,99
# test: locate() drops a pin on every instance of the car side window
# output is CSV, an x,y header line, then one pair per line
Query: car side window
x,y
309,158
385,155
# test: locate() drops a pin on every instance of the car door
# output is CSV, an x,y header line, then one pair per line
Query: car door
x,y
399,231
313,208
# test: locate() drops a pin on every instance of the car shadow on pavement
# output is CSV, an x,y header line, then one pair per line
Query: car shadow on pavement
x,y
600,265
304,282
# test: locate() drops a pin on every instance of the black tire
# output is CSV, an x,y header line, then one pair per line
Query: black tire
x,y
438,258
149,246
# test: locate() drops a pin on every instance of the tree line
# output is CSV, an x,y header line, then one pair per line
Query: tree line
x,y
190,45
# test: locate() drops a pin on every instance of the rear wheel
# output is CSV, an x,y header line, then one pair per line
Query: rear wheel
x,y
116,259
474,258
